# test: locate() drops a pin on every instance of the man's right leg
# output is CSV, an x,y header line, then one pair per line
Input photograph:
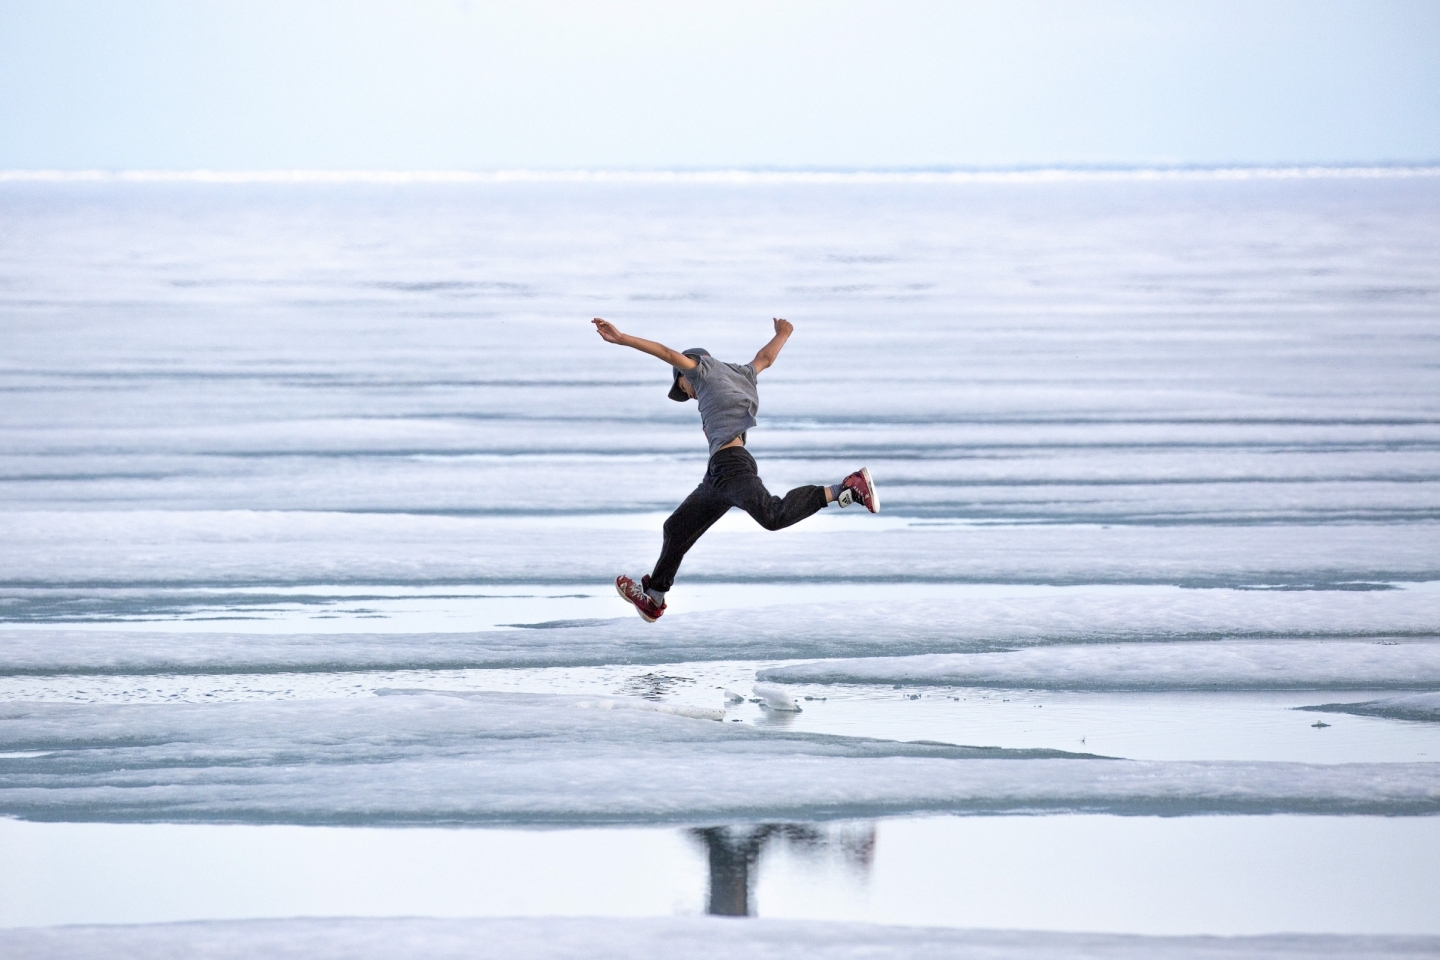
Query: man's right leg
x,y
686,525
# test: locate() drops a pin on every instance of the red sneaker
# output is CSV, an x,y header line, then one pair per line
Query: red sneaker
x,y
859,488
645,605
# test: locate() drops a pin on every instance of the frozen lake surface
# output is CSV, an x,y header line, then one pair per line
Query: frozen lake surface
x,y
311,496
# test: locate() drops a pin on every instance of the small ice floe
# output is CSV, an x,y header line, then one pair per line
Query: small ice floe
x,y
1319,723
1169,665
774,698
732,697
1416,706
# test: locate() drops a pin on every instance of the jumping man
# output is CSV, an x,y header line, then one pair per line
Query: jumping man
x,y
728,399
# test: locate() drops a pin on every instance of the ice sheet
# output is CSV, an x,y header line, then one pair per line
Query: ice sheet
x,y
95,548
487,758
968,620
960,469
1228,665
1418,706
656,939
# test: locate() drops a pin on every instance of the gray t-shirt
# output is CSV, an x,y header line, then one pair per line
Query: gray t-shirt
x,y
727,397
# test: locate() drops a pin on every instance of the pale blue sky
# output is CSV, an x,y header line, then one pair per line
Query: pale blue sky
x,y
830,83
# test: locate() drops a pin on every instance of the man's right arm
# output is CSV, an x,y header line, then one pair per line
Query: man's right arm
x,y
675,358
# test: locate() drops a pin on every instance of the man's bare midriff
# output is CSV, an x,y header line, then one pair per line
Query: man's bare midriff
x,y
737,442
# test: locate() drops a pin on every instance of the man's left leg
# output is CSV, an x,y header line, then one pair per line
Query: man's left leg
x,y
687,524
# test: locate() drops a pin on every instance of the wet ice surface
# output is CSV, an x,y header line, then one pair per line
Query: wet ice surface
x,y
1168,876
1211,725
1161,463
428,757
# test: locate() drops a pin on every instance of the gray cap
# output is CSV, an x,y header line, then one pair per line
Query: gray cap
x,y
675,392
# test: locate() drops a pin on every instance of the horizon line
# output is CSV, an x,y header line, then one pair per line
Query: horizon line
x,y
740,175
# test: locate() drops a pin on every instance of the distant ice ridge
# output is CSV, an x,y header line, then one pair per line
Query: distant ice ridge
x,y
572,938
1228,665
734,177
490,758
797,631
1419,706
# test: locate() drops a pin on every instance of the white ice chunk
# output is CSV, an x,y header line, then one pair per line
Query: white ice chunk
x,y
775,698
1232,665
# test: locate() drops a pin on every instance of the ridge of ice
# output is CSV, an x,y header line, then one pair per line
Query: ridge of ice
x,y
1424,707
1231,665
159,548
733,176
832,630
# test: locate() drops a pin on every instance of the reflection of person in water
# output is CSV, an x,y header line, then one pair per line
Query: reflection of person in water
x,y
734,852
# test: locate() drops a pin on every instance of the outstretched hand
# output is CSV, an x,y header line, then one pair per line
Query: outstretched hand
x,y
766,357
607,330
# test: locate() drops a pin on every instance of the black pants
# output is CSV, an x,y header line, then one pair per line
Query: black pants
x,y
731,480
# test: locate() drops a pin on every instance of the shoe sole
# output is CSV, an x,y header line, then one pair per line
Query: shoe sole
x,y
874,505
632,603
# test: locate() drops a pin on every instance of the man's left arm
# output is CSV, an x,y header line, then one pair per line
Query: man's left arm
x,y
771,350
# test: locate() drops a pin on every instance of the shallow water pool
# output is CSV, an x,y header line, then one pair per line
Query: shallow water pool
x,y
1214,875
